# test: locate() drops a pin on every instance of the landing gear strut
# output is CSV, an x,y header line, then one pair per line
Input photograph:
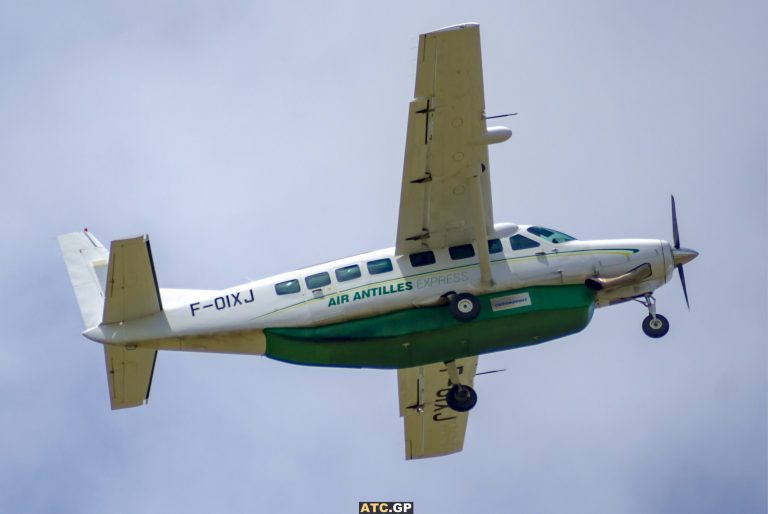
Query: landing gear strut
x,y
654,325
460,398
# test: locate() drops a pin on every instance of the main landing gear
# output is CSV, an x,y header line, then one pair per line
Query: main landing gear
x,y
460,398
464,306
654,325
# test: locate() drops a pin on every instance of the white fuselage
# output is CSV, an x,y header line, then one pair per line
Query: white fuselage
x,y
189,318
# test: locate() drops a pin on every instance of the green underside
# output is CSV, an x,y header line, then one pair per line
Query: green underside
x,y
414,337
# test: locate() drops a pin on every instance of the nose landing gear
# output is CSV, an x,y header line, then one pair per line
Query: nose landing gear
x,y
654,325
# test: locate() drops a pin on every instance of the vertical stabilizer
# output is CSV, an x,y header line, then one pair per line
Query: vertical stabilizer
x,y
86,260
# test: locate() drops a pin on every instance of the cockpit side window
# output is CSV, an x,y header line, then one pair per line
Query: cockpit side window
x,y
553,236
494,246
288,287
519,242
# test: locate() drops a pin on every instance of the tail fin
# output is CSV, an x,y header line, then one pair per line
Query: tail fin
x,y
111,286
86,260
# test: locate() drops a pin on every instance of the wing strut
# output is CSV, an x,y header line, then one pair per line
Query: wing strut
x,y
481,234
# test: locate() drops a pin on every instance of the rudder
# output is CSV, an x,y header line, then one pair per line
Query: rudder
x,y
86,260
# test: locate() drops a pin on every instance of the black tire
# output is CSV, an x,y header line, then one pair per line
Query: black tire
x,y
461,398
656,328
464,306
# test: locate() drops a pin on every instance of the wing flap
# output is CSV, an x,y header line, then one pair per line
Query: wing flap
x,y
132,290
431,427
129,373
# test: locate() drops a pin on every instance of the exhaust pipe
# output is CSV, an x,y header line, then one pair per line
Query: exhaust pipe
x,y
627,279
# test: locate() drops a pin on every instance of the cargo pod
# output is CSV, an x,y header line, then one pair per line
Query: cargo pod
x,y
414,337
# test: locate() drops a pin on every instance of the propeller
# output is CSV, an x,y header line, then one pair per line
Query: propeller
x,y
680,255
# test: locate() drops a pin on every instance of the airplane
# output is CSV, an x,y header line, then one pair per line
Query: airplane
x,y
456,285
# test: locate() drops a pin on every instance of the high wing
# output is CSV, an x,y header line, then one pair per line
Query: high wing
x,y
431,427
445,198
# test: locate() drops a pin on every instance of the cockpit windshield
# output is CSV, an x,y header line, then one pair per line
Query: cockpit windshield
x,y
553,236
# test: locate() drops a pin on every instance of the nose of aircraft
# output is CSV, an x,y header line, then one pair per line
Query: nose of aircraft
x,y
683,255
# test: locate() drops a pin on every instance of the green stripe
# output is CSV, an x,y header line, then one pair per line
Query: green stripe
x,y
413,337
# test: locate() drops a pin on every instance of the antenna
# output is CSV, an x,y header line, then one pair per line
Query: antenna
x,y
500,116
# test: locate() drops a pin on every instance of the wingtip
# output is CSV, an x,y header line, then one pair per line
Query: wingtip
x,y
460,26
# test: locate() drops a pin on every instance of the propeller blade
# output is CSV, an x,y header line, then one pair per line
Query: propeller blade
x,y
682,281
675,233
680,255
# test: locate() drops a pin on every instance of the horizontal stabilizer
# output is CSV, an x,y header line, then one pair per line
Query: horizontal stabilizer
x,y
129,373
132,290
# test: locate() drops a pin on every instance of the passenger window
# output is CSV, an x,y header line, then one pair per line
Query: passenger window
x,y
318,280
379,266
422,259
461,252
519,242
494,246
288,287
348,273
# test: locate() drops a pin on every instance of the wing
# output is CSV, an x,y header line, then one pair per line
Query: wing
x,y
445,198
129,373
431,427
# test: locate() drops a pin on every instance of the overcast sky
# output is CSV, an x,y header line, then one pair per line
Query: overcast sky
x,y
251,138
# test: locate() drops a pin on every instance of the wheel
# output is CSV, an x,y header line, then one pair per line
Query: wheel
x,y
656,327
464,306
461,398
